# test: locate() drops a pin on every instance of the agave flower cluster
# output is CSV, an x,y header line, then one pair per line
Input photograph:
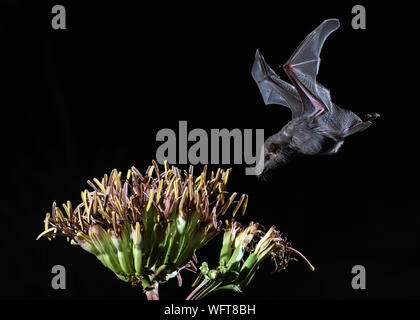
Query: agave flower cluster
x,y
243,250
146,228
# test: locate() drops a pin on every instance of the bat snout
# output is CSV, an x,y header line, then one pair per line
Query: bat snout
x,y
271,162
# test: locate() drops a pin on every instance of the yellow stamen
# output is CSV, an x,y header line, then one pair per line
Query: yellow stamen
x,y
216,180
149,204
97,193
89,208
127,179
170,174
68,208
190,185
83,236
79,213
201,181
227,176
99,185
238,205
159,190
191,263
105,215
222,192
114,220
84,198
176,188
101,208
117,179
227,205
117,201
184,196
43,233
59,214
197,280
204,173
165,164
221,187
169,186
197,200
95,203
149,173
46,221
245,204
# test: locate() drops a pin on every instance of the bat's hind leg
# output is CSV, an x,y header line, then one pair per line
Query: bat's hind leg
x,y
371,117
360,126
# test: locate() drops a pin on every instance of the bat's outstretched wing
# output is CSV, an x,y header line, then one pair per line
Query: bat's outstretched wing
x,y
273,89
344,122
302,69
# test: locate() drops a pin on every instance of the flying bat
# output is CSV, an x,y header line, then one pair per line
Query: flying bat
x,y
318,126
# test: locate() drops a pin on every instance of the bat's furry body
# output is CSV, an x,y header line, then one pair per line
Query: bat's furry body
x,y
318,126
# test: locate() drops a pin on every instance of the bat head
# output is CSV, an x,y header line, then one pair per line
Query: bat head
x,y
277,151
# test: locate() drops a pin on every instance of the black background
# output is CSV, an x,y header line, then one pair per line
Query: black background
x,y
77,103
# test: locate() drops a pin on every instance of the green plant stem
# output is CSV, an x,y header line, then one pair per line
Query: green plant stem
x,y
150,289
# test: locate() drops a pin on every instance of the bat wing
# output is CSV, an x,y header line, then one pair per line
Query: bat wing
x,y
273,89
343,121
302,69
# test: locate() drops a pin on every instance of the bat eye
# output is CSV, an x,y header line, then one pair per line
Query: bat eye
x,y
273,148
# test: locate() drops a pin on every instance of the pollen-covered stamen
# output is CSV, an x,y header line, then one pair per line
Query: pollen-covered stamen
x,y
46,223
181,204
45,232
190,186
149,173
79,215
227,176
176,191
114,220
68,210
165,164
238,205
245,205
227,204
159,191
149,203
155,165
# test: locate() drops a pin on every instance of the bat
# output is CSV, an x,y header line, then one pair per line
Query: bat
x,y
318,126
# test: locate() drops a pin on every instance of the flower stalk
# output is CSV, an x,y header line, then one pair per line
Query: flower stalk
x,y
243,251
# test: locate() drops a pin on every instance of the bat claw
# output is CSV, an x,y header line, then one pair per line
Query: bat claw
x,y
370,117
